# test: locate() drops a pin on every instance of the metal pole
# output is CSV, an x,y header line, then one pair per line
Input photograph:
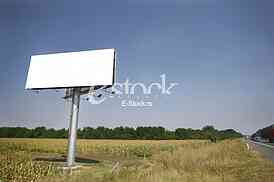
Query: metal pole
x,y
73,127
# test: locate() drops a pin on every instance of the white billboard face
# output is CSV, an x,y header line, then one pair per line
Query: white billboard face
x,y
72,69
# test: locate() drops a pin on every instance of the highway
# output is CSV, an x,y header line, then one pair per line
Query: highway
x,y
267,151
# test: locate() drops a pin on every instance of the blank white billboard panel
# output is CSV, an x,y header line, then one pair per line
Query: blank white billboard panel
x,y
72,69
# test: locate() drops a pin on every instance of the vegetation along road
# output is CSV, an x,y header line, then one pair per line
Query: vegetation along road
x,y
39,160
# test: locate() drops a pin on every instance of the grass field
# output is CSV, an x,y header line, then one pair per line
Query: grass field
x,y
134,160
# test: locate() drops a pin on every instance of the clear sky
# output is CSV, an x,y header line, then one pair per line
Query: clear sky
x,y
220,52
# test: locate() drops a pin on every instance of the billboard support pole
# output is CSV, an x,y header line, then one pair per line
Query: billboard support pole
x,y
73,127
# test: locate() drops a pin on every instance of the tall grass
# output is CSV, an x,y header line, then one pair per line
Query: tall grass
x,y
139,161
16,154
227,161
122,148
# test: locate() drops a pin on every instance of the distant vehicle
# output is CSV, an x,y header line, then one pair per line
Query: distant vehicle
x,y
260,139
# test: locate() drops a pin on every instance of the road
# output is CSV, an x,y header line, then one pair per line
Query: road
x,y
267,151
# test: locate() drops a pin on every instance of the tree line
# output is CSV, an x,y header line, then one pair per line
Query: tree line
x,y
145,133
266,133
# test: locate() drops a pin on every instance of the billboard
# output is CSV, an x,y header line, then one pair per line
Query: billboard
x,y
72,69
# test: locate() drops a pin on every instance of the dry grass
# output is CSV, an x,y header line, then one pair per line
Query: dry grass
x,y
153,161
227,161
122,148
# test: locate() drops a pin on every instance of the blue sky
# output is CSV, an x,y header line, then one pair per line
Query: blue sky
x,y
220,53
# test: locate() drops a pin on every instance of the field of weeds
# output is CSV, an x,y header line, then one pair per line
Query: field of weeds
x,y
135,160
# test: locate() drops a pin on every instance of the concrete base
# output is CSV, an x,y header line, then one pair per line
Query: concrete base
x,y
71,168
